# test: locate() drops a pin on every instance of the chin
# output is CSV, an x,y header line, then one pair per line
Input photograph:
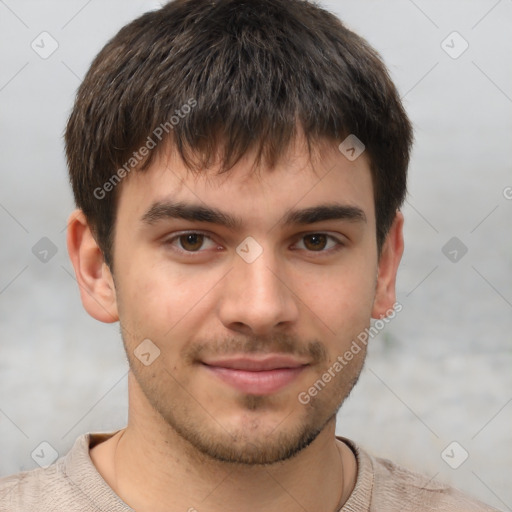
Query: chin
x,y
250,450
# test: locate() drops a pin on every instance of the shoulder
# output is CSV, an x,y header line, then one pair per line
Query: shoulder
x,y
384,486
395,485
71,484
30,490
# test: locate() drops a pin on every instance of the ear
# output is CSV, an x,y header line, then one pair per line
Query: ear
x,y
392,250
95,281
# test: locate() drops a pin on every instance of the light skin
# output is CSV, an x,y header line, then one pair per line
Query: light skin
x,y
195,439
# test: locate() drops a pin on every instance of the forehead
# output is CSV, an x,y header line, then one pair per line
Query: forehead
x,y
299,180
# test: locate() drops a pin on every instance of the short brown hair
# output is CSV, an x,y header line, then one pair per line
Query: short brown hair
x,y
245,75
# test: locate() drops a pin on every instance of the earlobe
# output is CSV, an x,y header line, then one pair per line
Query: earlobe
x,y
392,250
93,276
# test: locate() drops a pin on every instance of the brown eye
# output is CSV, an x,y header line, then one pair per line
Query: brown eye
x,y
320,243
316,242
191,241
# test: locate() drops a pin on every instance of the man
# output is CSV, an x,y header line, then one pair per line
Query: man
x,y
238,168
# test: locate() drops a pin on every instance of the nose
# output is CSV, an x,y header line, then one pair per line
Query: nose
x,y
257,299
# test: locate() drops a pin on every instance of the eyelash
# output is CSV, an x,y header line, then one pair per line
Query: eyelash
x,y
339,244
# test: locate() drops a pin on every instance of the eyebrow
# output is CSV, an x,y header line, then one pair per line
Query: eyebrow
x,y
165,210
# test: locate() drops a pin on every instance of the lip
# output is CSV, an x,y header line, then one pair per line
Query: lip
x,y
256,375
256,364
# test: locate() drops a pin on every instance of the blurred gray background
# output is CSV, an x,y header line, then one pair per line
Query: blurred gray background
x,y
439,374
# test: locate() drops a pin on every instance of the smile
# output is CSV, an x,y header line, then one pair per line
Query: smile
x,y
256,376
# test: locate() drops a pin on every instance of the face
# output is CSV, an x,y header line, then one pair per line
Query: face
x,y
248,286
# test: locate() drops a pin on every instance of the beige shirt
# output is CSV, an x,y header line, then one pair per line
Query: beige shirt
x,y
72,484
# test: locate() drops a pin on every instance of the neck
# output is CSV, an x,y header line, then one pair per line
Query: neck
x,y
153,469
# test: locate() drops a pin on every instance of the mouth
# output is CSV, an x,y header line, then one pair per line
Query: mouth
x,y
256,375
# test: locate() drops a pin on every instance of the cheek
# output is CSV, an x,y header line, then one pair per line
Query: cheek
x,y
341,296
160,300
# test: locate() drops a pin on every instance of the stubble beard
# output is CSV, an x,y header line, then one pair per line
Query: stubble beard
x,y
208,439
